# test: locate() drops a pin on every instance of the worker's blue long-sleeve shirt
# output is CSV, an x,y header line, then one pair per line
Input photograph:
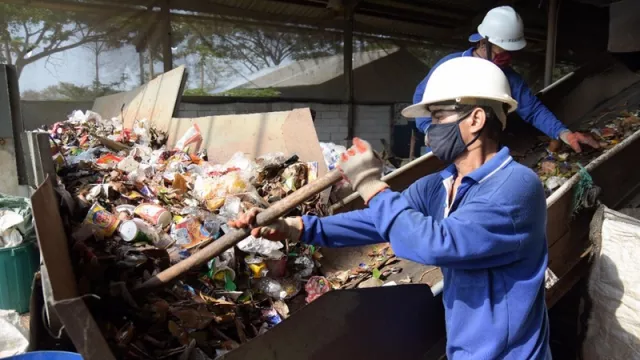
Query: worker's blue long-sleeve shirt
x,y
490,245
530,108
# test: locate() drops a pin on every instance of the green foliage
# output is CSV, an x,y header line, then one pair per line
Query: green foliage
x,y
68,91
242,92
376,274
196,92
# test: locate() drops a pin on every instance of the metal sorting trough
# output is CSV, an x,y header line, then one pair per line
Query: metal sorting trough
x,y
334,326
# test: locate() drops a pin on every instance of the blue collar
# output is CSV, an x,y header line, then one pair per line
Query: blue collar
x,y
468,52
497,162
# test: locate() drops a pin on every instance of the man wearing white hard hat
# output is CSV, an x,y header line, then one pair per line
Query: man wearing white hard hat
x,y
482,219
500,33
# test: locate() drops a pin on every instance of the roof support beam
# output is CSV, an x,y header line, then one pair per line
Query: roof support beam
x,y
552,27
167,55
349,9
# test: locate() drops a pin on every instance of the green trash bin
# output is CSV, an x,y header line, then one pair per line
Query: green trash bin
x,y
17,267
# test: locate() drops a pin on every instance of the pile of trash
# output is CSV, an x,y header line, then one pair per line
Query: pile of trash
x,y
558,165
133,207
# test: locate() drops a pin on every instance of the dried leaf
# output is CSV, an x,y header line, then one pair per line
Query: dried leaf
x,y
178,333
192,318
180,184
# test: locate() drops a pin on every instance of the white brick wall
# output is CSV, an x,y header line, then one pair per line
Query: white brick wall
x,y
372,122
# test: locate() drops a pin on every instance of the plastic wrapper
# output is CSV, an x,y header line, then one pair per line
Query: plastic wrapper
x,y
206,188
128,164
555,182
331,153
191,136
108,161
271,288
189,232
316,286
267,248
303,266
272,159
271,316
88,155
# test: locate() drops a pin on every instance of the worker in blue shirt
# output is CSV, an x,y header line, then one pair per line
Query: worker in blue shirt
x,y
500,33
482,219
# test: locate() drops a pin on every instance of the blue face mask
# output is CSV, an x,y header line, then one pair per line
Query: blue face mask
x,y
446,141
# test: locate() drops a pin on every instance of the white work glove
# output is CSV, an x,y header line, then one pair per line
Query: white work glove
x,y
574,139
282,229
362,168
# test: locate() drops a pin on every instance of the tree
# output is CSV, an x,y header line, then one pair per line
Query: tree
x,y
98,47
257,48
28,34
68,91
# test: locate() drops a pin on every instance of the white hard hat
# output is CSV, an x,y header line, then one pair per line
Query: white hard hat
x,y
503,27
465,80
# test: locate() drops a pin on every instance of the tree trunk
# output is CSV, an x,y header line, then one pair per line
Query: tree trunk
x,y
7,48
202,75
141,65
152,73
97,64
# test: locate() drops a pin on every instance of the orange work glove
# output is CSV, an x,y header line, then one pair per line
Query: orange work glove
x,y
282,229
363,169
574,139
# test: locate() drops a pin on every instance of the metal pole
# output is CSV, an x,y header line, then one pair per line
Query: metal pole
x,y
348,69
552,27
167,56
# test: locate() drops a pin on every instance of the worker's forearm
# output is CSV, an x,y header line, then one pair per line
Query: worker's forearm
x,y
354,228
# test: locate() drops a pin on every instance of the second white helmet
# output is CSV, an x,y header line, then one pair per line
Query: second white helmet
x,y
503,27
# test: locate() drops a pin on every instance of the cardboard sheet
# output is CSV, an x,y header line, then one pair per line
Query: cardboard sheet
x,y
52,241
154,101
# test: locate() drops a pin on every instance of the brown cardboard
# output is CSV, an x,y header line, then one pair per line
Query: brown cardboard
x,y
154,101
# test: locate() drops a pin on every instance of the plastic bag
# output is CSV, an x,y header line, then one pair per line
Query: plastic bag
x,y
231,208
15,206
245,165
141,130
79,117
14,338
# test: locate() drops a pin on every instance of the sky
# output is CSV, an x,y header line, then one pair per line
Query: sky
x,y
77,67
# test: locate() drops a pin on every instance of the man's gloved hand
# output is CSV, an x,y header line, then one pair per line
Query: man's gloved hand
x,y
574,139
363,169
282,229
